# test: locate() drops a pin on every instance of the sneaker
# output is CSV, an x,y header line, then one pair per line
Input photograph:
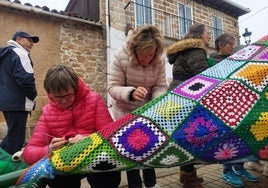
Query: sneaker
x,y
232,179
245,174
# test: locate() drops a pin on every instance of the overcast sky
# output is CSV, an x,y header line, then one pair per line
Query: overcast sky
x,y
254,20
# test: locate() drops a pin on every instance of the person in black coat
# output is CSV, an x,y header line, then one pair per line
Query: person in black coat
x,y
189,58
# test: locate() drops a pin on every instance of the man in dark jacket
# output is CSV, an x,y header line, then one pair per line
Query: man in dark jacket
x,y
17,86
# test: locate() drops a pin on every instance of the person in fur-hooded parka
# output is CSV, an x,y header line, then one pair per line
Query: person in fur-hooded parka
x,y
188,56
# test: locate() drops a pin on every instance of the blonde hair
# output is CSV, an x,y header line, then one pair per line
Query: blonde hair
x,y
144,38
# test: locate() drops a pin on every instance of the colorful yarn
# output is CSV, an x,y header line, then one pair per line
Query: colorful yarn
x,y
218,116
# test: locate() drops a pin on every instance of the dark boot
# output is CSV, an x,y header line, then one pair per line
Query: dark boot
x,y
195,178
190,180
185,179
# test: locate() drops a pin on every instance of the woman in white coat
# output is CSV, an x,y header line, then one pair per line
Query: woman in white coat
x,y
137,76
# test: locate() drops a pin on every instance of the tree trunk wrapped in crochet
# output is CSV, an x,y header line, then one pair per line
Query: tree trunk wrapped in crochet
x,y
218,116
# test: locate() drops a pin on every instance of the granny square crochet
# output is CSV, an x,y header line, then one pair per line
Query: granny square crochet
x,y
200,131
254,74
196,87
169,112
230,148
138,139
113,160
253,129
230,101
218,116
224,69
246,53
262,56
168,158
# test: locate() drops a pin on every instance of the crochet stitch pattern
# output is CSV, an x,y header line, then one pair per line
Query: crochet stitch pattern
x,y
220,115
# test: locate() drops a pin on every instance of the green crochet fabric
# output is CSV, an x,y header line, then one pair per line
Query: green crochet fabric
x,y
7,165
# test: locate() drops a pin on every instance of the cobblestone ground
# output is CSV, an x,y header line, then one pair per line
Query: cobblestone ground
x,y
169,178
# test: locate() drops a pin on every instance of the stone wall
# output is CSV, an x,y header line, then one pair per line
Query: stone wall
x,y
83,47
201,14
75,42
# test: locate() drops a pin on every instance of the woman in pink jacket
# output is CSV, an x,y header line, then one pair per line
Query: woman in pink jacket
x,y
73,113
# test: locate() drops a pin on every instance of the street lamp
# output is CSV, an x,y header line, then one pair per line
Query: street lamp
x,y
247,35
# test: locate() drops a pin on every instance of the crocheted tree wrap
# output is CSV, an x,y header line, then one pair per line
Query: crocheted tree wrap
x,y
220,115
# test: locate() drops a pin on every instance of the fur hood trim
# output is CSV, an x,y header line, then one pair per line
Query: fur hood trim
x,y
185,44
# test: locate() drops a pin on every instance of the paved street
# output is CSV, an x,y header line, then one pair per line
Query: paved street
x,y
169,178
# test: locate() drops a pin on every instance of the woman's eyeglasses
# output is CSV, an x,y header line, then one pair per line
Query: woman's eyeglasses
x,y
66,97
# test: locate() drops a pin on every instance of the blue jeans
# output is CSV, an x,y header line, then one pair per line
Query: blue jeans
x,y
227,167
16,129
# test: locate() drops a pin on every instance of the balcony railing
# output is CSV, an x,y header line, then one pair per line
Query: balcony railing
x,y
168,23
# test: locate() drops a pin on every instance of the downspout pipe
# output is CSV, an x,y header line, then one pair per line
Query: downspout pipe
x,y
108,45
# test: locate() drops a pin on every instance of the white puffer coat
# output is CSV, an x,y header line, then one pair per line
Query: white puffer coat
x,y
127,74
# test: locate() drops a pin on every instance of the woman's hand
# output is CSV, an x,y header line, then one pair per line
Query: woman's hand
x,y
139,94
56,143
75,139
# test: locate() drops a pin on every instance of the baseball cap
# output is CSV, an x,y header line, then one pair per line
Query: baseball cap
x,y
25,35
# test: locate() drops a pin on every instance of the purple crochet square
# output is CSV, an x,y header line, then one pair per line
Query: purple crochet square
x,y
196,87
246,53
262,56
138,139
231,148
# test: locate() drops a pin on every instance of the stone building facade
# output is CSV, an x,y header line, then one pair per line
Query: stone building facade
x,y
89,46
63,40
165,15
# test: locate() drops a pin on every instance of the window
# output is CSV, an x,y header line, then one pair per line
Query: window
x,y
185,19
143,10
216,27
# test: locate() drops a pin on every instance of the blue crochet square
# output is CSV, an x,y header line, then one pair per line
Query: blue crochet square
x,y
223,69
231,148
200,131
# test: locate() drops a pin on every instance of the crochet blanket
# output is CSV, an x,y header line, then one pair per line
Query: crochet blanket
x,y
218,116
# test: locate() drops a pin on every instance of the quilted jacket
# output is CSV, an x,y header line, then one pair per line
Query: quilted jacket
x,y
127,74
88,114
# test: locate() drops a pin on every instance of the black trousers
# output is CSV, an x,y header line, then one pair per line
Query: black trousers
x,y
187,168
96,180
135,181
16,129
